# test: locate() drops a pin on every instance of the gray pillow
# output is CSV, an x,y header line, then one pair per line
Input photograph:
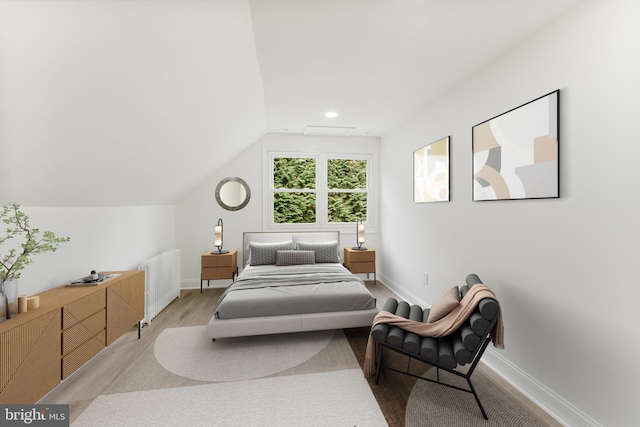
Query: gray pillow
x,y
325,251
266,253
295,257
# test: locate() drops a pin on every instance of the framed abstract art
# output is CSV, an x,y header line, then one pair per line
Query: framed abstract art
x,y
431,172
515,154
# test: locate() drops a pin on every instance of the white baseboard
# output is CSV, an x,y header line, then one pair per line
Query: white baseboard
x,y
563,411
541,396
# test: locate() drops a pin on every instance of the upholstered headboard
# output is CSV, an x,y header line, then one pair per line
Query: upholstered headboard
x,y
275,237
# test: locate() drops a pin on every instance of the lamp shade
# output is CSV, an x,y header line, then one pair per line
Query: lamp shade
x,y
217,238
218,235
359,236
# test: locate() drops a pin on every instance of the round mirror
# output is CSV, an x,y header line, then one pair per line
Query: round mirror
x,y
233,193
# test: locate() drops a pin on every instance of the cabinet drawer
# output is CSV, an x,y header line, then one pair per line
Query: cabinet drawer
x,y
217,260
362,267
362,256
83,308
80,333
211,273
78,357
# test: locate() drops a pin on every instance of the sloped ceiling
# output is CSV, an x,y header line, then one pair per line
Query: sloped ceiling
x,y
134,102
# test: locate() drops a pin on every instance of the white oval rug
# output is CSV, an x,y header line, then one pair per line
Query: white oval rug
x,y
190,353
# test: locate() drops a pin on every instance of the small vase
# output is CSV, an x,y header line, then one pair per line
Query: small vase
x,y
3,304
11,293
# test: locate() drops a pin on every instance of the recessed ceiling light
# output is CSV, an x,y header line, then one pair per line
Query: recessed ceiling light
x,y
330,114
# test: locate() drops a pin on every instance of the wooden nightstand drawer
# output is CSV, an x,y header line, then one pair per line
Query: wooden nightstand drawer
x,y
362,267
360,261
218,266
214,273
362,256
220,260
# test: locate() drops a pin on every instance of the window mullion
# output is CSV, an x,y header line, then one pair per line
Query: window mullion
x,y
321,200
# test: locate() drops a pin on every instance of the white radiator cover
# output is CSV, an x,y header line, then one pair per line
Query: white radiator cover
x,y
162,282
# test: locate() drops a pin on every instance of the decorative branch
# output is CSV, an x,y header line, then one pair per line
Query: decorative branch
x,y
13,262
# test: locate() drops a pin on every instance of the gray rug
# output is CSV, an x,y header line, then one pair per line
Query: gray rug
x,y
338,398
189,353
436,405
321,385
325,387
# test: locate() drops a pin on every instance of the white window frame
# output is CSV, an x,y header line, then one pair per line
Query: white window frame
x,y
327,190
321,191
275,155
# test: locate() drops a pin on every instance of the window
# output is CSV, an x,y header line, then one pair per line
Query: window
x,y
346,190
318,190
294,190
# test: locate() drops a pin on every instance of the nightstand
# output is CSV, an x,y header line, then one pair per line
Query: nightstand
x,y
218,266
360,261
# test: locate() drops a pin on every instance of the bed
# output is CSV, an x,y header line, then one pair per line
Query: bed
x,y
291,282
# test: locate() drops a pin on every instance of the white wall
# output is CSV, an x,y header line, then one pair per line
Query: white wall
x,y
198,211
564,268
104,239
123,103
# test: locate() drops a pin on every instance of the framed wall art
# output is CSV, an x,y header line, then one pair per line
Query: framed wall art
x,y
431,172
515,154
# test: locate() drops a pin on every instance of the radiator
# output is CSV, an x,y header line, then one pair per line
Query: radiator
x,y
162,282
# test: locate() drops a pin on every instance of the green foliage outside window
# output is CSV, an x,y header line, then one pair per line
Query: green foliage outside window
x,y
294,173
294,208
346,181
347,174
347,207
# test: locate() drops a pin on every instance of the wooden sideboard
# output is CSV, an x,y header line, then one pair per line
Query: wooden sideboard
x,y
42,347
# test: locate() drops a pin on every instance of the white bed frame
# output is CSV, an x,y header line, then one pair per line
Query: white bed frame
x,y
224,328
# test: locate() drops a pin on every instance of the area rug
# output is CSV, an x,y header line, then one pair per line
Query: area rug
x,y
407,401
188,352
338,398
321,384
446,407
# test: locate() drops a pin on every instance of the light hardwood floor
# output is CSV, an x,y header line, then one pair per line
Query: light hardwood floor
x,y
191,309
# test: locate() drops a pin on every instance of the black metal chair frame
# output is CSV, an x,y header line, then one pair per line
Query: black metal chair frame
x,y
438,366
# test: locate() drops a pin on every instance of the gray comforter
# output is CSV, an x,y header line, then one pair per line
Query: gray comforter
x,y
284,290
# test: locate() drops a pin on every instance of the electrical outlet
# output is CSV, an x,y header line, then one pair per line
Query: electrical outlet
x,y
425,279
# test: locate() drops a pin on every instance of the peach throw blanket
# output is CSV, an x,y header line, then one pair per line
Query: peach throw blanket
x,y
440,328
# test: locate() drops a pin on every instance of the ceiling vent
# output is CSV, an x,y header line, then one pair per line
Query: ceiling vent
x,y
327,130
